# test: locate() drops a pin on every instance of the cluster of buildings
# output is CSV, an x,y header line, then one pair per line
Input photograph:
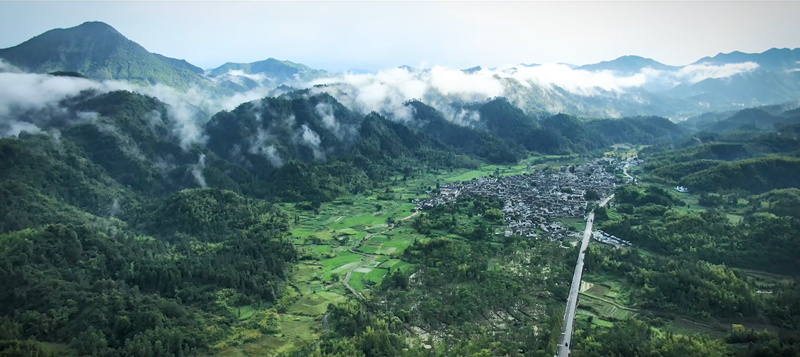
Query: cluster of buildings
x,y
610,239
533,202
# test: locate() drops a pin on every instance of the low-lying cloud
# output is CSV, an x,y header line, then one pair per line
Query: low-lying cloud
x,y
312,140
698,72
22,93
387,91
545,87
197,171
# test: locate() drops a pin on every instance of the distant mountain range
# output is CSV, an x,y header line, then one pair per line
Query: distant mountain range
x,y
242,77
626,86
628,65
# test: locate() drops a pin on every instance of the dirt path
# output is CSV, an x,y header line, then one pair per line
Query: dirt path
x,y
411,216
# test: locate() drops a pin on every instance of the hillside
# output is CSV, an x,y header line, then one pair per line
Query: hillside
x,y
98,51
753,175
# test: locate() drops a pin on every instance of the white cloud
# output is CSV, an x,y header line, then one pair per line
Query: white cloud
x,y
698,72
25,92
261,146
13,128
479,85
574,80
387,91
7,67
197,171
310,138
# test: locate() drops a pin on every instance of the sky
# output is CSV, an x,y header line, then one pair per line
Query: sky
x,y
347,35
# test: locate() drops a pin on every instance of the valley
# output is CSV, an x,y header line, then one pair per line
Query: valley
x,y
149,207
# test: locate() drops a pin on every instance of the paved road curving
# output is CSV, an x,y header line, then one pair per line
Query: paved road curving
x,y
572,300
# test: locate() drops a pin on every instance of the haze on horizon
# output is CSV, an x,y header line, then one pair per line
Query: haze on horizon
x,y
339,36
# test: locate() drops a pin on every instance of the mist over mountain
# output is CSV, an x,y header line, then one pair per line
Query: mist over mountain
x,y
271,72
626,86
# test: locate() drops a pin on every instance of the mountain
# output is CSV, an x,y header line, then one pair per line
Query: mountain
x,y
270,72
464,139
753,119
98,51
774,59
628,65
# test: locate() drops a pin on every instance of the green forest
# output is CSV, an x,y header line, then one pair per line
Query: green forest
x,y
283,235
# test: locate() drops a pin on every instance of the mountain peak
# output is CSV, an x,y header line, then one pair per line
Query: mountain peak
x,y
99,51
96,26
626,64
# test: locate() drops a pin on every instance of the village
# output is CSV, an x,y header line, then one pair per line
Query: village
x,y
534,202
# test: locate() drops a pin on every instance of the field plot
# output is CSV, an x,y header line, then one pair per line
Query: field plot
x,y
357,281
688,327
314,304
604,299
488,170
340,264
363,278
585,317
606,309
395,264
605,288
392,242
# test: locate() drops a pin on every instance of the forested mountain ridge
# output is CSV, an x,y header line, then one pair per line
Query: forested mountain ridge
x,y
751,150
86,220
98,51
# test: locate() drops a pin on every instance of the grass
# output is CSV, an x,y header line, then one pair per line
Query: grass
x,y
357,281
768,278
342,258
688,327
395,264
467,176
375,275
604,308
245,312
323,248
340,264
582,319
294,330
314,304
579,224
607,288
488,170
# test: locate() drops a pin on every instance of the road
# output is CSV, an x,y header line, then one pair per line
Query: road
x,y
625,171
371,258
572,300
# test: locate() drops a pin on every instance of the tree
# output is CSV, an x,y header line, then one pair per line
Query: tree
x,y
591,195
